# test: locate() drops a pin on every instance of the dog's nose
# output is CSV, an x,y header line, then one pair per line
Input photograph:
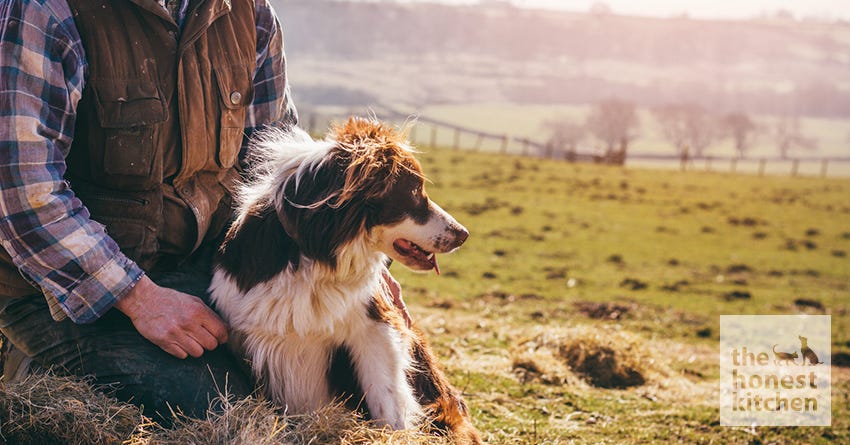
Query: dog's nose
x,y
461,234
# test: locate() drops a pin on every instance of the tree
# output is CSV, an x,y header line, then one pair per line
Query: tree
x,y
688,127
615,123
741,129
788,136
564,136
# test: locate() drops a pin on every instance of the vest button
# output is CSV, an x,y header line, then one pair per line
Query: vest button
x,y
235,97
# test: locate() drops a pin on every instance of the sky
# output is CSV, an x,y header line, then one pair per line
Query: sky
x,y
708,9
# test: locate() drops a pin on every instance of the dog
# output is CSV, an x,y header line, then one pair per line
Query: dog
x,y
299,276
808,354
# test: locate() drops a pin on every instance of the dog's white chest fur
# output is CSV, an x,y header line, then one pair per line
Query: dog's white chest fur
x,y
290,326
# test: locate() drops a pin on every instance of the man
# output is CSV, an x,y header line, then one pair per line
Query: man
x,y
121,128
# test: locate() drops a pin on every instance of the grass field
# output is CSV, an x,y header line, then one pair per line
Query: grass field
x,y
647,258
569,260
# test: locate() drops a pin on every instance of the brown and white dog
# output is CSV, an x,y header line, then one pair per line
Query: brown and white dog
x,y
299,276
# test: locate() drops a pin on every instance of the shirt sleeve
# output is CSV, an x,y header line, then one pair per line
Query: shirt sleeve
x,y
45,228
272,103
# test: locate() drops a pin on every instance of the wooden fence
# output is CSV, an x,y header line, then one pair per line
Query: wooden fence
x,y
428,132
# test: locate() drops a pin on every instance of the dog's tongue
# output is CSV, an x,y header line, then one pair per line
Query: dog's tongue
x,y
434,263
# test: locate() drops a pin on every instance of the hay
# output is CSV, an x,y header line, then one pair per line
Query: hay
x,y
47,409
599,356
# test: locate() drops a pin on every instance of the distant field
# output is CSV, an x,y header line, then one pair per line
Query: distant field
x,y
527,121
644,256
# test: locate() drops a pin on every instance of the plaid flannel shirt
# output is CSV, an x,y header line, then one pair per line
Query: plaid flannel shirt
x,y
43,226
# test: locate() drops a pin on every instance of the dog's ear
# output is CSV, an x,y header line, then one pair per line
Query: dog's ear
x,y
313,214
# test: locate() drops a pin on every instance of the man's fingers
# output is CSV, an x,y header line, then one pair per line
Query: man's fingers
x,y
191,346
175,350
204,338
215,326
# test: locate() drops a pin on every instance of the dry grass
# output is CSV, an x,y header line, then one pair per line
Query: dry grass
x,y
46,409
600,356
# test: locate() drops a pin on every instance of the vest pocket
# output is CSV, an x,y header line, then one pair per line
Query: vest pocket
x,y
128,110
236,89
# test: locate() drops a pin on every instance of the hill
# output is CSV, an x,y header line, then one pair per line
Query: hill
x,y
344,53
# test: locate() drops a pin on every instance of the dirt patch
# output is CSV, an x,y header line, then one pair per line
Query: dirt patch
x,y
745,221
841,359
675,287
604,311
616,259
737,295
738,268
633,284
555,273
600,357
810,303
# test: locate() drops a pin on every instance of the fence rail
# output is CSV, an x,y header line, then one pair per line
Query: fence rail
x,y
426,131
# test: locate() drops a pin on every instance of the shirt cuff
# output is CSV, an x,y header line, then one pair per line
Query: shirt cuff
x,y
95,295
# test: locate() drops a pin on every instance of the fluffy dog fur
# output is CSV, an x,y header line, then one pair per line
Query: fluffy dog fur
x,y
299,276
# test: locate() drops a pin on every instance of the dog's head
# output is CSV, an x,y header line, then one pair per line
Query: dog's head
x,y
363,181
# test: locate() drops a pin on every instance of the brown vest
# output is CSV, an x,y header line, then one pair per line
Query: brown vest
x,y
160,122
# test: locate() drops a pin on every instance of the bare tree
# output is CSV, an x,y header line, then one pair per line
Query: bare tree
x,y
741,129
788,136
564,137
615,123
688,127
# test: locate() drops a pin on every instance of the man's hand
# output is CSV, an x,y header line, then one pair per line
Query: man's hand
x,y
395,291
180,324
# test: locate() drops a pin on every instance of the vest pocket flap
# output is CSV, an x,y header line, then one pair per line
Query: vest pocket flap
x,y
235,85
128,102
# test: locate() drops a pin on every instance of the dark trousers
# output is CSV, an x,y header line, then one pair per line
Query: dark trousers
x,y
112,352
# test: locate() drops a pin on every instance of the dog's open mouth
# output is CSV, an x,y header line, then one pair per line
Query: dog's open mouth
x,y
423,258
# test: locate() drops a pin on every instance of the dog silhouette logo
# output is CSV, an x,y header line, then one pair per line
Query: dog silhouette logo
x,y
808,354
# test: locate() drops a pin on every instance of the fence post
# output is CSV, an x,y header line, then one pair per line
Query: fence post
x,y
525,147
504,143
762,162
794,166
708,163
479,142
824,164
734,166
457,139
434,135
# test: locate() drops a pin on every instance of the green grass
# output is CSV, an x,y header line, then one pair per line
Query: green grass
x,y
546,235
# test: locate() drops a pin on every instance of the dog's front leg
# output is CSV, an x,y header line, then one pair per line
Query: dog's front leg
x,y
381,359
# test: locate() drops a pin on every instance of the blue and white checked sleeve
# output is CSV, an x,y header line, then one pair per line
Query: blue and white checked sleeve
x,y
43,226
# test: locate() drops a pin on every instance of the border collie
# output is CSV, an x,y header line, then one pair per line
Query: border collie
x,y
299,276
